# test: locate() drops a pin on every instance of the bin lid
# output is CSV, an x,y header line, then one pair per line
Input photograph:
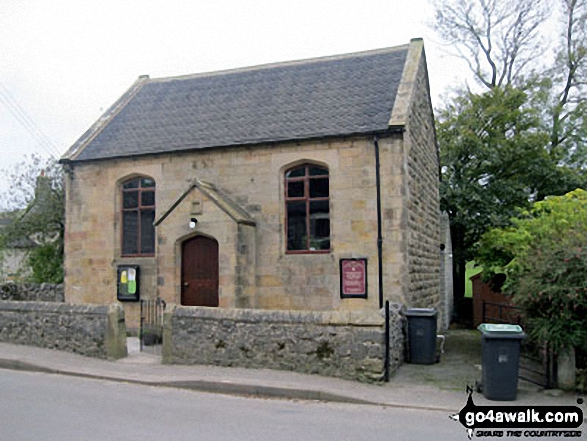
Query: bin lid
x,y
500,329
420,312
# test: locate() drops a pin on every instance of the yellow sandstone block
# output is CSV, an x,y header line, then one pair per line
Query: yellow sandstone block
x,y
269,281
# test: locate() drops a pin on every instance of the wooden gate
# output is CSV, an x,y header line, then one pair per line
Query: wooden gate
x,y
151,331
537,360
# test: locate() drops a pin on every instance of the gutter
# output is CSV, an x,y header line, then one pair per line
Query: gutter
x,y
269,142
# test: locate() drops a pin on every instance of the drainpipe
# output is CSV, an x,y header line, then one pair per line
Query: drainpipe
x,y
379,236
386,367
380,260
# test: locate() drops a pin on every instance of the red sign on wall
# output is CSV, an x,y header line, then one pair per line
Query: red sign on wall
x,y
353,278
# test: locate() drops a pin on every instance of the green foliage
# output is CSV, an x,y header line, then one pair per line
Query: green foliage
x,y
47,264
493,161
544,257
526,138
581,382
37,203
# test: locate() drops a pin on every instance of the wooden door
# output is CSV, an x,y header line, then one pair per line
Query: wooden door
x,y
199,272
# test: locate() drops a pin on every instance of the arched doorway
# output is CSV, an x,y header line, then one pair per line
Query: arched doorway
x,y
199,272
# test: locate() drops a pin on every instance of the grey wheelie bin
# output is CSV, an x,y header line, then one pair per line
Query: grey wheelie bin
x,y
422,335
500,359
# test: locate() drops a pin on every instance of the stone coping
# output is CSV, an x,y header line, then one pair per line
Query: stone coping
x,y
55,307
325,318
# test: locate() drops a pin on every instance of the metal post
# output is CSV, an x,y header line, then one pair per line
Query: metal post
x,y
141,328
387,329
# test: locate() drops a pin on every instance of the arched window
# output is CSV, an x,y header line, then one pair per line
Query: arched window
x,y
307,209
138,215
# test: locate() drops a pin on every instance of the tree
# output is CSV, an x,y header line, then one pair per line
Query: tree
x,y
568,134
493,162
36,197
502,43
498,39
544,257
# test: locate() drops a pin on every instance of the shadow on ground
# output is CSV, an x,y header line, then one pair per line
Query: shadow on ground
x,y
459,366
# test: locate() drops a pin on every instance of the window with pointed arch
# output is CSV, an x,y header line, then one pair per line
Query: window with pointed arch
x,y
138,215
307,209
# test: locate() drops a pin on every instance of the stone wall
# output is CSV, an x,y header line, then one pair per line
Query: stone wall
x,y
423,206
91,330
446,276
252,177
255,270
340,344
33,292
14,264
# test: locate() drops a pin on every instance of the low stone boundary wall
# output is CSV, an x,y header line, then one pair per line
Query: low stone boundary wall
x,y
33,292
340,344
92,330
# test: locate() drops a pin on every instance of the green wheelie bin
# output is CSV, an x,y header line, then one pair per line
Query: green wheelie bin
x,y
500,360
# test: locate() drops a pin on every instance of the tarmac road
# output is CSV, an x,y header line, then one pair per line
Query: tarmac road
x,y
40,406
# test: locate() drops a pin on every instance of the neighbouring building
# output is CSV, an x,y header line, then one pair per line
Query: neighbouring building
x,y
14,265
304,185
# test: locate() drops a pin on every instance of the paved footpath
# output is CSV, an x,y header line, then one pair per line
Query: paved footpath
x,y
409,388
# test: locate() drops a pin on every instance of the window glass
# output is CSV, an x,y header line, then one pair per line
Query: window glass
x,y
130,199
147,232
296,172
318,171
130,231
296,226
295,189
147,182
147,198
319,188
138,215
307,211
319,225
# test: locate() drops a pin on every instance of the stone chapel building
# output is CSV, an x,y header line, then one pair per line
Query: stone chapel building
x,y
254,187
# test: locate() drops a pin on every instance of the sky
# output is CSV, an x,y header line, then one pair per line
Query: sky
x,y
64,62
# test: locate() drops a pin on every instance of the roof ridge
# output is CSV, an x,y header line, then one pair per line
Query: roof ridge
x,y
278,64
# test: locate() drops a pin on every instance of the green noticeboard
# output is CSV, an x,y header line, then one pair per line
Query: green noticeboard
x,y
127,283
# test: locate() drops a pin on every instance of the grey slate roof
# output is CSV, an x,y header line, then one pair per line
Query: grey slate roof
x,y
333,96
